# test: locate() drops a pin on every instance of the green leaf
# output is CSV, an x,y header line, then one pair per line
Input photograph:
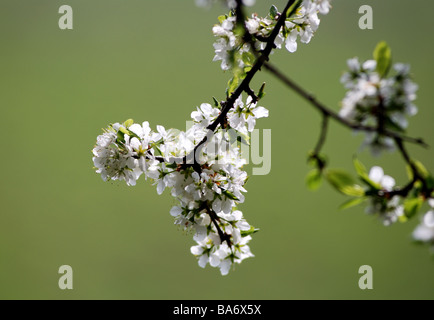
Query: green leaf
x,y
421,169
362,172
410,173
293,9
261,93
352,203
233,85
360,168
383,56
273,11
344,183
120,137
172,165
222,18
248,58
216,103
354,191
412,206
128,123
249,232
132,134
230,195
314,179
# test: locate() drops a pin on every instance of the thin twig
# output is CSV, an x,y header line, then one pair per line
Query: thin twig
x,y
325,110
214,219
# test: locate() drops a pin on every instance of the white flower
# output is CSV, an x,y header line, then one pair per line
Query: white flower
x,y
424,232
389,210
114,162
229,46
243,117
205,115
370,98
207,199
377,175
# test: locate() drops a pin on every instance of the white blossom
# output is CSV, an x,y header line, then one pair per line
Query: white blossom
x,y
243,117
389,210
424,232
373,100
207,198
301,26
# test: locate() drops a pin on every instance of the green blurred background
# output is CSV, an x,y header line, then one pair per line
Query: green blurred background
x,y
151,60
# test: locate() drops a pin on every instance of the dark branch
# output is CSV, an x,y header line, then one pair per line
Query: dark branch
x,y
245,84
321,141
215,219
326,111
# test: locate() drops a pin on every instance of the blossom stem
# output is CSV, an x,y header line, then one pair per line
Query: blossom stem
x,y
321,141
214,219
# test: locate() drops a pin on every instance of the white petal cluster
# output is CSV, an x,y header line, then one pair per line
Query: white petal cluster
x,y
424,232
389,210
371,98
243,117
207,194
230,47
303,24
119,150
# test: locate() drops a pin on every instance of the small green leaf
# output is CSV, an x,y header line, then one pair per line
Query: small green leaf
x,y
132,134
233,84
128,123
314,179
352,203
261,93
249,232
410,173
293,9
120,137
383,56
360,168
172,165
124,131
354,191
273,11
216,103
363,174
412,206
344,183
222,18
248,58
421,169
230,195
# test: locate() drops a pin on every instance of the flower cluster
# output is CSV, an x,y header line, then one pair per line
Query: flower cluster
x,y
243,117
389,209
425,231
208,188
373,99
232,50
